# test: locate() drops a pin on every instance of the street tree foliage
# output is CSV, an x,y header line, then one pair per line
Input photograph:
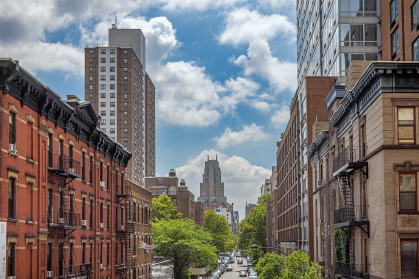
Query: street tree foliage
x,y
253,229
295,266
217,226
183,242
271,266
164,208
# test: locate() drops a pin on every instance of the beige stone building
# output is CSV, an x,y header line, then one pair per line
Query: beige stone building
x,y
373,164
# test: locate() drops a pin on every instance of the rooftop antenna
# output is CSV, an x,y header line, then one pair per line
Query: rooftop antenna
x,y
115,26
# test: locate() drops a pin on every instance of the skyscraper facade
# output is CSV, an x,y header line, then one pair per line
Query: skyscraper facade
x,y
123,95
331,34
212,189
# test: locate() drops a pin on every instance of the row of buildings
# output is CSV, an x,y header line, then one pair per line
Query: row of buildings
x,y
72,196
347,162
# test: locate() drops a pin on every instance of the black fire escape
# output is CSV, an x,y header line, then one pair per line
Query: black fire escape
x,y
349,215
65,220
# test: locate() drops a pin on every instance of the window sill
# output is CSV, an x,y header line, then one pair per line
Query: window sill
x,y
30,160
13,153
12,220
91,184
30,222
408,212
84,181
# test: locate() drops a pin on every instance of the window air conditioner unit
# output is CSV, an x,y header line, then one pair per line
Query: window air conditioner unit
x,y
49,274
61,221
102,226
11,277
12,147
84,223
102,184
72,170
319,183
122,227
101,266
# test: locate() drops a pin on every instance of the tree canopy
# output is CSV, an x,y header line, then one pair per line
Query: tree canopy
x,y
221,233
183,241
164,208
271,266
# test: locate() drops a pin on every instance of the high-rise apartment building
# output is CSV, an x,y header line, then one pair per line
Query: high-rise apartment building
x,y
123,95
212,189
331,34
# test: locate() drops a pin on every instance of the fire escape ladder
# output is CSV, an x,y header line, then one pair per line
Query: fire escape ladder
x,y
346,193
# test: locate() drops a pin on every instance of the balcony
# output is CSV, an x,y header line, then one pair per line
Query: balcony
x,y
64,220
73,271
351,270
63,165
124,264
349,217
350,160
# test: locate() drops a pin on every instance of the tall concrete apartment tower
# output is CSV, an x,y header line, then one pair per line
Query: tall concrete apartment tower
x,y
123,95
212,189
331,33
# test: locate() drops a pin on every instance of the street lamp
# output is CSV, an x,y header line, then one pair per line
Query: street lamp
x,y
183,256
255,246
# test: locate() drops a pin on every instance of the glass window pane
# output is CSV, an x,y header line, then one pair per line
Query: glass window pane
x,y
407,182
407,201
406,134
406,114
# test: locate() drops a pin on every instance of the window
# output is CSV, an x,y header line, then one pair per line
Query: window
x,y
125,105
70,258
103,69
103,86
91,214
101,212
125,96
83,209
394,11
112,104
125,69
108,184
30,140
11,260
112,77
91,170
91,253
90,70
125,131
102,104
112,51
49,257
125,139
90,78
362,141
407,182
108,212
103,95
126,122
102,60
90,87
406,125
102,77
125,78
83,165
102,51
112,95
12,198
409,258
112,121
112,86
90,60
90,96
103,113
125,51
125,61
112,113
125,87
395,47
107,255
112,60
415,50
103,122
100,253
83,253
125,113
90,51
101,172
12,129
112,69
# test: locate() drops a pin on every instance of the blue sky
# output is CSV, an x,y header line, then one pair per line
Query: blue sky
x,y
225,73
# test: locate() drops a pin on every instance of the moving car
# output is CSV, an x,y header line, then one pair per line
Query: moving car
x,y
239,261
242,273
231,260
229,268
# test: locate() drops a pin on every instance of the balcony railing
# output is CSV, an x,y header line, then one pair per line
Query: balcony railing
x,y
73,271
352,269
349,155
63,165
64,220
129,227
358,213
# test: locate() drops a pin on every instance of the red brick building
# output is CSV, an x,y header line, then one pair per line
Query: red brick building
x,y
62,192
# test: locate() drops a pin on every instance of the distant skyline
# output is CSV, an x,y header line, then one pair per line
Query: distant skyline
x,y
225,72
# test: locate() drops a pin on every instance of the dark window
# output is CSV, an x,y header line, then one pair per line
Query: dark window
x,y
83,253
409,258
107,255
100,253
12,198
101,212
394,12
101,171
70,155
408,197
108,185
83,166
134,217
395,47
362,141
70,258
116,182
415,50
122,183
116,218
107,217
415,14
91,253
11,260
91,214
12,128
91,170
83,209
406,125
49,257
50,141
134,239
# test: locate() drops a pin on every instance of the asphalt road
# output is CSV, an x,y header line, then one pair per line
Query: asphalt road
x,y
236,268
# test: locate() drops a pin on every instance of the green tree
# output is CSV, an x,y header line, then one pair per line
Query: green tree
x,y
164,208
182,241
271,266
298,266
220,231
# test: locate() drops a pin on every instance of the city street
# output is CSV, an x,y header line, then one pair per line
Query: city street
x,y
236,269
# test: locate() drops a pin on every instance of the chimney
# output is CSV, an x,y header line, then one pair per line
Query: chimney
x,y
182,182
172,173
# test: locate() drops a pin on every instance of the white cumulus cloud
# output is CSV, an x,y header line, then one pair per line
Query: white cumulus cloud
x,y
281,116
250,133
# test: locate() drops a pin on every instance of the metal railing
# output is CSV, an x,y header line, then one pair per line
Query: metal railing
x,y
352,269
72,271
63,163
64,219
350,154
345,214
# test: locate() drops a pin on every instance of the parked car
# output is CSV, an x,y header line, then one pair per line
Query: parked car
x,y
239,261
229,268
253,277
242,273
252,273
231,260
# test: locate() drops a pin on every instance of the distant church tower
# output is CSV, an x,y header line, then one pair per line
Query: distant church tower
x,y
212,189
